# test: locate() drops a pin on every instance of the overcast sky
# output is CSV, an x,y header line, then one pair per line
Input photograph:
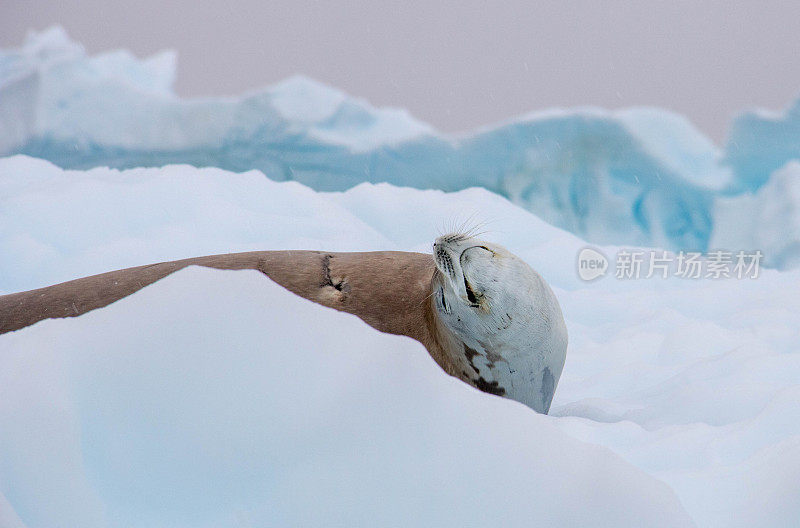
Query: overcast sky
x,y
459,65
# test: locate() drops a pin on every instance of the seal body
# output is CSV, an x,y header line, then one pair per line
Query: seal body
x,y
483,314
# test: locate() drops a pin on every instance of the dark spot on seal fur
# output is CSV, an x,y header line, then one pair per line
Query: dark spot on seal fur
x,y
548,387
492,387
492,357
326,271
341,285
506,322
470,353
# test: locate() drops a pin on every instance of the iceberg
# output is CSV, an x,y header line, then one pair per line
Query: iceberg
x,y
638,176
768,219
760,143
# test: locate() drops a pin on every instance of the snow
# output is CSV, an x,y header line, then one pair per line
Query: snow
x,y
638,176
56,225
215,398
189,417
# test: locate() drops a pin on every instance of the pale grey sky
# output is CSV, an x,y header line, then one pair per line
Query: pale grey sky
x,y
459,65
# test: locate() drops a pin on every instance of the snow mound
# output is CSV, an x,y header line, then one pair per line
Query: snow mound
x,y
56,225
202,401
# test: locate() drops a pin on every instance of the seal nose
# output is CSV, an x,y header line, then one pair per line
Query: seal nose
x,y
441,242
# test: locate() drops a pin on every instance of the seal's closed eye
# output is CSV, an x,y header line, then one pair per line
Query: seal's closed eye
x,y
470,294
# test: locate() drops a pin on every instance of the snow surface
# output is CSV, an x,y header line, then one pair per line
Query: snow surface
x,y
206,402
637,177
207,399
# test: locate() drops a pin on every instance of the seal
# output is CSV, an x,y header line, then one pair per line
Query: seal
x,y
482,313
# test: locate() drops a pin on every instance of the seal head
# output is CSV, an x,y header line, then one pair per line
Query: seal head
x,y
504,316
